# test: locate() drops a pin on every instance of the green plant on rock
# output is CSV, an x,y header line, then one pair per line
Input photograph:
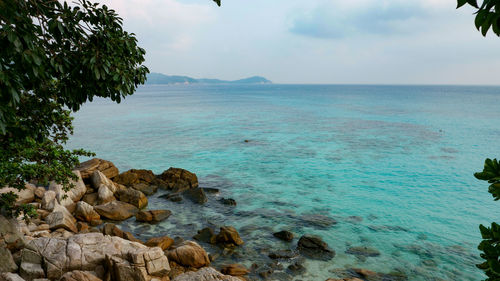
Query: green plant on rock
x,y
487,15
490,246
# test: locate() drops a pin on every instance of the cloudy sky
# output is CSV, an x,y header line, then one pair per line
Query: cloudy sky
x,y
316,41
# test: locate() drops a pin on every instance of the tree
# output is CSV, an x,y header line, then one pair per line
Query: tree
x,y
53,58
487,15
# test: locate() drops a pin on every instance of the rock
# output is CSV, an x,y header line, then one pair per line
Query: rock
x,y
174,197
39,192
363,251
132,196
313,247
49,200
7,276
78,275
97,179
76,193
344,279
211,190
7,263
135,176
145,188
88,251
179,179
283,254
228,201
296,267
113,230
284,235
196,195
61,218
24,196
116,210
30,271
234,270
153,216
10,234
205,274
87,168
91,198
82,227
319,221
162,242
122,270
190,254
206,235
104,195
86,212
228,236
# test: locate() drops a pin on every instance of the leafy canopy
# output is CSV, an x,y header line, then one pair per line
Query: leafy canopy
x,y
53,58
487,15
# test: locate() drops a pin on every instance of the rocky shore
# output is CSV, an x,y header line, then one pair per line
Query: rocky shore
x,y
75,236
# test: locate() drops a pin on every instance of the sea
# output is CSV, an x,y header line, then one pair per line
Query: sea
x,y
386,167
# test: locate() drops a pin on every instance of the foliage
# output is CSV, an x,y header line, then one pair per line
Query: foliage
x,y
53,58
490,246
487,15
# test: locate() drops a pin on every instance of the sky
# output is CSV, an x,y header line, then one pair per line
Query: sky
x,y
315,41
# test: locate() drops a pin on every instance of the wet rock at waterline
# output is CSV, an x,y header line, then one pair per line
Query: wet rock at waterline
x,y
196,195
178,179
153,216
206,235
234,270
133,197
284,235
363,251
228,236
116,210
313,247
228,201
190,254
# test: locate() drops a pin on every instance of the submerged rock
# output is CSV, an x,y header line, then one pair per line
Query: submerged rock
x,y
206,235
145,188
363,251
283,254
228,201
196,195
313,247
320,221
234,270
284,235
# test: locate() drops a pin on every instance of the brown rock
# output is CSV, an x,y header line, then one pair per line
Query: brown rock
x,y
234,270
313,247
91,198
153,216
61,218
179,179
97,179
190,254
132,196
228,236
39,191
78,275
106,167
116,210
24,196
163,242
113,230
82,227
147,189
284,235
86,212
134,176
344,279
206,235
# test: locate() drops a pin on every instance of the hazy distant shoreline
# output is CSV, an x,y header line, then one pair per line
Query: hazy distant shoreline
x,y
162,79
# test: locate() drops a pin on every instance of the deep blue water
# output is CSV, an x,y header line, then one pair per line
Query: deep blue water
x,y
399,158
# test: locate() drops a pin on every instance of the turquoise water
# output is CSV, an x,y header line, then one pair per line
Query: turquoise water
x,y
398,158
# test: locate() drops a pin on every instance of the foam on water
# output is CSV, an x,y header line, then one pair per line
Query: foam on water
x,y
392,165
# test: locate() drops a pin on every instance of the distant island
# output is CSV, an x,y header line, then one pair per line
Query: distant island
x,y
159,78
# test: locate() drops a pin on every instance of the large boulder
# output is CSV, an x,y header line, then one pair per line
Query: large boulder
x,y
228,236
131,177
132,196
153,216
30,271
7,263
61,218
49,200
104,195
205,274
189,254
87,168
86,212
179,179
10,234
24,196
313,247
97,179
76,193
8,276
234,270
88,251
116,210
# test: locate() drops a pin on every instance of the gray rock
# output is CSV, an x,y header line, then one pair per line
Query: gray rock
x,y
49,200
313,247
10,277
10,234
205,274
98,178
24,196
61,218
30,271
78,275
7,263
104,195
197,195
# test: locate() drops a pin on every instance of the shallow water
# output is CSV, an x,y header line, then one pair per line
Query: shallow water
x,y
392,165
